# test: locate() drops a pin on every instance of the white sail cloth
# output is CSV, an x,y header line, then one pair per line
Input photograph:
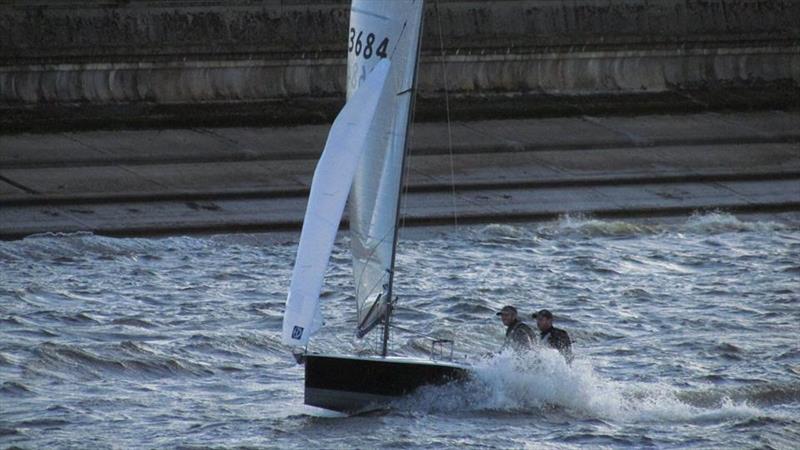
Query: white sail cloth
x,y
380,29
330,186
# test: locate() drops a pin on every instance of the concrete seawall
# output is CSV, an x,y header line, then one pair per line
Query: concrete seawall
x,y
146,182
134,55
146,117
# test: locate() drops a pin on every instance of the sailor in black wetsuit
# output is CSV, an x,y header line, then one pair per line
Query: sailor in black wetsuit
x,y
519,336
551,336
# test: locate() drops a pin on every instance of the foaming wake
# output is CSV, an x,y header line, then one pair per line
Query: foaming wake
x,y
543,381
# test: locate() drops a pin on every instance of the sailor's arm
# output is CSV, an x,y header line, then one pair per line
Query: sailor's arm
x,y
563,343
522,339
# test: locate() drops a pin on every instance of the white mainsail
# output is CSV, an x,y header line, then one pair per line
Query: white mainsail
x,y
380,29
347,140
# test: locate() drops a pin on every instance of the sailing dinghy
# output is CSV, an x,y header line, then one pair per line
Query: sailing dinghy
x,y
364,158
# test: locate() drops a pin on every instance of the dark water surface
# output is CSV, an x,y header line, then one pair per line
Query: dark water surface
x,y
687,335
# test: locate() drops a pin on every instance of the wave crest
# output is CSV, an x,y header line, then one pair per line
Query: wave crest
x,y
587,226
720,222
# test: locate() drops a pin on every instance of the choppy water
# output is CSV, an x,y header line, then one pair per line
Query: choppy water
x,y
686,335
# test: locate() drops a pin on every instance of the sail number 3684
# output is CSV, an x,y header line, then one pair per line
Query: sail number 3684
x,y
365,46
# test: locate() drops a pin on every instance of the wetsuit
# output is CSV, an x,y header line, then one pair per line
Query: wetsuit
x,y
519,336
557,339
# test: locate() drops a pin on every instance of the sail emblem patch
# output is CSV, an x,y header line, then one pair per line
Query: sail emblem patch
x,y
297,332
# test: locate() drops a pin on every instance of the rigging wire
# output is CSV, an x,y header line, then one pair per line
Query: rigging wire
x,y
447,112
413,333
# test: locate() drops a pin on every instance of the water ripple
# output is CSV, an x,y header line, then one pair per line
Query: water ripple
x,y
685,334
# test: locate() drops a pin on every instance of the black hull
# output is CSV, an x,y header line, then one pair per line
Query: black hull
x,y
351,384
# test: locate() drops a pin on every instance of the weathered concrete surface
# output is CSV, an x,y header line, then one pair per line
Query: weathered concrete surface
x,y
564,71
56,55
53,30
93,148
227,180
425,208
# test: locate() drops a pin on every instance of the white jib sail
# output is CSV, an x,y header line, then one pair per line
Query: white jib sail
x,y
380,29
333,177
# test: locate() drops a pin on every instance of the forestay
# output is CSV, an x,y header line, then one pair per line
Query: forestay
x,y
380,29
331,183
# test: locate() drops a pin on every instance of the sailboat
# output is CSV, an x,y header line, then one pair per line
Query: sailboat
x,y
363,159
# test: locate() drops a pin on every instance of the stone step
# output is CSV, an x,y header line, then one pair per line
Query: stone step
x,y
424,208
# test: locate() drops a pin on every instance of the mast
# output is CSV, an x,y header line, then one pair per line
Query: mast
x,y
390,288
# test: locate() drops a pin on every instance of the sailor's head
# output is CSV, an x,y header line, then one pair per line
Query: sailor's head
x,y
508,314
544,319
